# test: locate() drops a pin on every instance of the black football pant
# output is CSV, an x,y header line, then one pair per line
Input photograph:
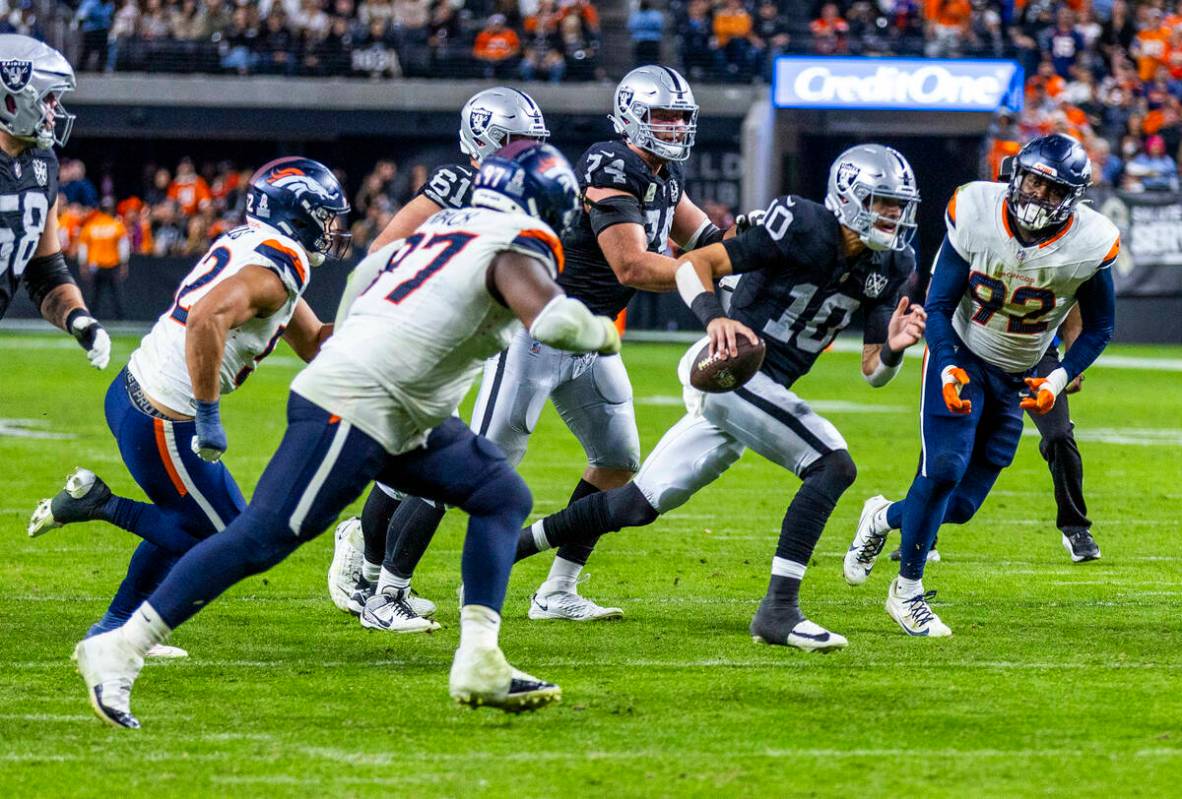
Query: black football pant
x,y
1062,455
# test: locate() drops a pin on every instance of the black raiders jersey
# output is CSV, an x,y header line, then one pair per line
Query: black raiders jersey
x,y
612,165
28,191
449,186
794,287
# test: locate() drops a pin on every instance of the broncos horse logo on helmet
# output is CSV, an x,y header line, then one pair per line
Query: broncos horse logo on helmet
x,y
530,178
303,199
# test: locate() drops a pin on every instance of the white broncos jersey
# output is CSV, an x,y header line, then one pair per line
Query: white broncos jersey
x,y
415,338
159,363
1018,296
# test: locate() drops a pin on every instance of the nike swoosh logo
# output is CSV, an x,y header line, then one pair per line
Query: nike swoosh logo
x,y
540,605
818,637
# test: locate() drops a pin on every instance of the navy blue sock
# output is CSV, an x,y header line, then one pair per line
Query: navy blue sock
x,y
150,523
923,512
149,566
496,513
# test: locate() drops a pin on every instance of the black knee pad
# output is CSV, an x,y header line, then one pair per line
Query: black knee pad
x,y
831,474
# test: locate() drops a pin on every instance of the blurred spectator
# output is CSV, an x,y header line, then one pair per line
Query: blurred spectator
x,y
103,250
124,28
94,18
238,48
277,45
830,31
1106,167
497,48
646,25
139,229
1152,169
697,34
948,26
189,23
154,23
1149,46
444,39
732,38
1063,42
1119,30
771,37
374,54
75,186
166,229
188,189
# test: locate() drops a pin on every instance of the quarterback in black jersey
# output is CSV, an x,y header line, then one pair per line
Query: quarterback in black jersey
x,y
634,202
796,278
33,78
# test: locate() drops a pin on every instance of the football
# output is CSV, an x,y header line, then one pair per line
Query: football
x,y
714,375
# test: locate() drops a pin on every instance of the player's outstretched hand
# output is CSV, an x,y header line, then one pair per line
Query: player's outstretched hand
x,y
906,326
210,442
1042,396
955,379
90,336
723,332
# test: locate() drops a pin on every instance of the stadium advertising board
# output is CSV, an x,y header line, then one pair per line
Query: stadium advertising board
x,y
1150,224
912,84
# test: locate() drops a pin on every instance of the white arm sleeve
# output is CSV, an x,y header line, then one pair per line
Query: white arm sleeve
x,y
567,324
883,374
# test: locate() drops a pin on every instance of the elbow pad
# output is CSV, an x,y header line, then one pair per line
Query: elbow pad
x,y
614,210
44,274
567,324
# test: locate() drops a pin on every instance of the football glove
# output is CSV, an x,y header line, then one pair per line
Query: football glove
x,y
90,336
955,379
210,442
744,222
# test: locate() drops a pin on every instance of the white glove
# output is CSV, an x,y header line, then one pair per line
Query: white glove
x,y
91,337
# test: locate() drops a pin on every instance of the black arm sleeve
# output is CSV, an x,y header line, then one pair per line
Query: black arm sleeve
x,y
615,210
44,274
753,250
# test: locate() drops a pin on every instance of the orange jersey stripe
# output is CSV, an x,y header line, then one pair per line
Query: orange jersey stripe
x,y
952,207
551,241
1113,251
166,457
1062,232
295,257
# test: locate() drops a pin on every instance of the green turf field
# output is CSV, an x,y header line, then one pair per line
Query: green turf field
x,y
1060,679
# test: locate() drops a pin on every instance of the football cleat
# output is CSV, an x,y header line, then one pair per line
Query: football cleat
x,y
348,555
166,652
787,627
867,544
389,610
933,555
1081,546
363,589
568,605
420,604
914,614
83,497
482,677
109,667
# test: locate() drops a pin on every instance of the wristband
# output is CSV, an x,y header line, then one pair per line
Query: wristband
x,y
888,357
707,307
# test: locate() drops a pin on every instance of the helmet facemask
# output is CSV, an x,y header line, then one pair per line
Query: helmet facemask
x,y
334,239
53,123
1037,213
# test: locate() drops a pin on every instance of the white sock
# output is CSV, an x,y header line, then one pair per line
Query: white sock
x,y
145,629
782,567
370,571
389,579
878,521
562,577
908,588
539,532
479,626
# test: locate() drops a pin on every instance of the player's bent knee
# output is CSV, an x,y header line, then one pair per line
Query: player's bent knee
x,y
832,473
628,507
960,510
503,493
946,467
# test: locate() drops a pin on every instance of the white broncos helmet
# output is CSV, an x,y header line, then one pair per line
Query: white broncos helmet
x,y
493,117
640,92
31,73
863,173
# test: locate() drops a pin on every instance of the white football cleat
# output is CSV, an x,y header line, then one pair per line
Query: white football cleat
x,y
420,604
867,544
785,626
348,554
390,611
482,676
109,667
914,614
569,606
166,652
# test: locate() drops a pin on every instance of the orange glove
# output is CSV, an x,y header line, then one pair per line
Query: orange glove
x,y
1042,396
955,379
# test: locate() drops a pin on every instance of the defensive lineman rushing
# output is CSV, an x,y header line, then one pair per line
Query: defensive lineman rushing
x,y
33,79
1015,260
164,407
634,192
443,302
488,121
801,275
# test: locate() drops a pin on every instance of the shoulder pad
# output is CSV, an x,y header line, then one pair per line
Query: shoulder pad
x,y
283,257
449,186
611,165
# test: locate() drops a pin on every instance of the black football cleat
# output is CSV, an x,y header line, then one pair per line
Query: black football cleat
x,y
1081,546
786,626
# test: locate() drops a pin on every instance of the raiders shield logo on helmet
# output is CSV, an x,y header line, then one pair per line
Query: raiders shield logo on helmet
x,y
625,98
15,74
480,119
875,284
847,173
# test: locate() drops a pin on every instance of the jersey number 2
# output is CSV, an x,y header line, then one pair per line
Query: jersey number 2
x,y
990,296
217,260
454,241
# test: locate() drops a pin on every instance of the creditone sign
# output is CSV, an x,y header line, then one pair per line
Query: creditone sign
x,y
914,84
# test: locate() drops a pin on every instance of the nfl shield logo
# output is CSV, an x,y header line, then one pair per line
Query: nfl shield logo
x,y
875,284
480,119
40,171
15,74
